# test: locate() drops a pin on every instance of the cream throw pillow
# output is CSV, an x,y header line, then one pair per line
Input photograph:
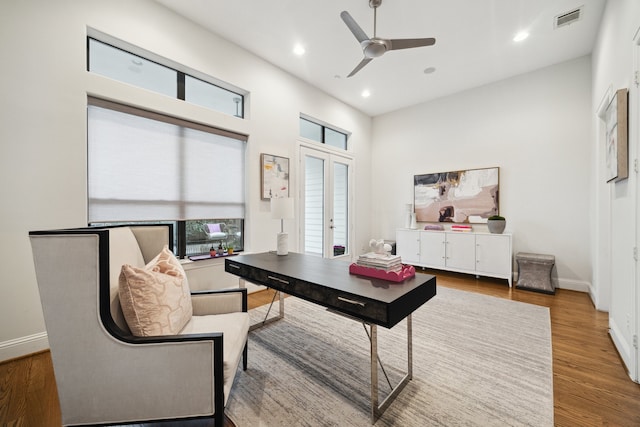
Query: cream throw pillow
x,y
155,299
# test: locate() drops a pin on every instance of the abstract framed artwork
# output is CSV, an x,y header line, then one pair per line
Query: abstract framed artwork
x,y
457,196
617,147
274,176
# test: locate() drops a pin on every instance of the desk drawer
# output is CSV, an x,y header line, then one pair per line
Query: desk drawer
x,y
368,310
260,277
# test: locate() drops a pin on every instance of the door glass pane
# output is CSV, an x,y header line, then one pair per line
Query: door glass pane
x,y
314,206
340,209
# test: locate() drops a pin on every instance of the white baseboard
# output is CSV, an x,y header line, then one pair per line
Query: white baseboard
x,y
23,346
568,284
574,285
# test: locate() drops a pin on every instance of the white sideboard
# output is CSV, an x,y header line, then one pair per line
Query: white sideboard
x,y
482,254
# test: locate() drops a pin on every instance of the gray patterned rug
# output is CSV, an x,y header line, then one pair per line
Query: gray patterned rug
x,y
477,361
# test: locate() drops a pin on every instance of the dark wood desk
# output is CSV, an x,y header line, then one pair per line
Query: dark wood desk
x,y
328,283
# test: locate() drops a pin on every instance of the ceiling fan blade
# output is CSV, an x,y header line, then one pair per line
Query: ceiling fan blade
x,y
395,44
362,63
354,27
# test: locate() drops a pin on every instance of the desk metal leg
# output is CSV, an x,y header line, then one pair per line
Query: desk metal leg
x,y
378,410
273,319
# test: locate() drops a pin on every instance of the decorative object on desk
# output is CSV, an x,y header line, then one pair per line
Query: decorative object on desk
x,y
466,370
212,251
381,264
455,196
220,250
282,208
274,176
400,275
379,246
496,224
616,133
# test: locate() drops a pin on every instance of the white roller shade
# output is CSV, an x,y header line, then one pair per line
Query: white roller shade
x,y
142,168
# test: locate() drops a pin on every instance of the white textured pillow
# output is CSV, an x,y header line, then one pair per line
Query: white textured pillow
x,y
155,299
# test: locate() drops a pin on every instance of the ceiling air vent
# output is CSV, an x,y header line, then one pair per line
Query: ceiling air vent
x,y
568,18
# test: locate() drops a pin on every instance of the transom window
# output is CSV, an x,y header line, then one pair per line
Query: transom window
x,y
318,132
126,67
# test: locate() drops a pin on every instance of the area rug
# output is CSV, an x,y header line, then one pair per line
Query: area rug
x,y
477,361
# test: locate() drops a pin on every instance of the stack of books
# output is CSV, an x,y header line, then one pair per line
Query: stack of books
x,y
461,227
384,262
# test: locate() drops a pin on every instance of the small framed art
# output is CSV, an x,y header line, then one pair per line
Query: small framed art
x,y
616,150
274,176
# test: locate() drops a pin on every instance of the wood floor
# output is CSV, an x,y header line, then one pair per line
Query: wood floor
x,y
590,384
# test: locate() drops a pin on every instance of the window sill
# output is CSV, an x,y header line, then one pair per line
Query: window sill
x,y
207,256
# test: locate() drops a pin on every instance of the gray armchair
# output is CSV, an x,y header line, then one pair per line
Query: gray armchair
x,y
105,374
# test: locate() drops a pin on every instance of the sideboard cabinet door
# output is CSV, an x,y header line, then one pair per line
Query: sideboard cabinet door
x,y
461,251
408,246
433,248
493,254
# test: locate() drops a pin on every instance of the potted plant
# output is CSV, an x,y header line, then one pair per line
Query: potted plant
x,y
496,224
229,249
220,250
212,251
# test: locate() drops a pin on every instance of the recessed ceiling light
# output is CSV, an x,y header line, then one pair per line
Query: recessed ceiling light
x,y
366,93
299,50
521,36
430,70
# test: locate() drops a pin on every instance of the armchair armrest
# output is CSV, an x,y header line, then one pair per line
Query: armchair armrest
x,y
219,301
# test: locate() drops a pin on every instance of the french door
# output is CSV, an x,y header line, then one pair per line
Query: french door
x,y
326,203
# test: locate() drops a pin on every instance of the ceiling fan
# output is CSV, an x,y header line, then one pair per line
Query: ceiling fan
x,y
375,46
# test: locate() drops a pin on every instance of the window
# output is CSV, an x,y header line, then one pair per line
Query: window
x,y
207,95
323,134
144,166
126,67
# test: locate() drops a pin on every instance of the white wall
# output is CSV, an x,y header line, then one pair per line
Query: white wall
x,y
535,127
615,206
43,132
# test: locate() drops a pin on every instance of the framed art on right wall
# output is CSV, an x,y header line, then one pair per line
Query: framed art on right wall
x,y
616,150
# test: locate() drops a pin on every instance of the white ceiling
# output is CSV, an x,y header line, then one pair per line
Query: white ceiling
x,y
474,42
